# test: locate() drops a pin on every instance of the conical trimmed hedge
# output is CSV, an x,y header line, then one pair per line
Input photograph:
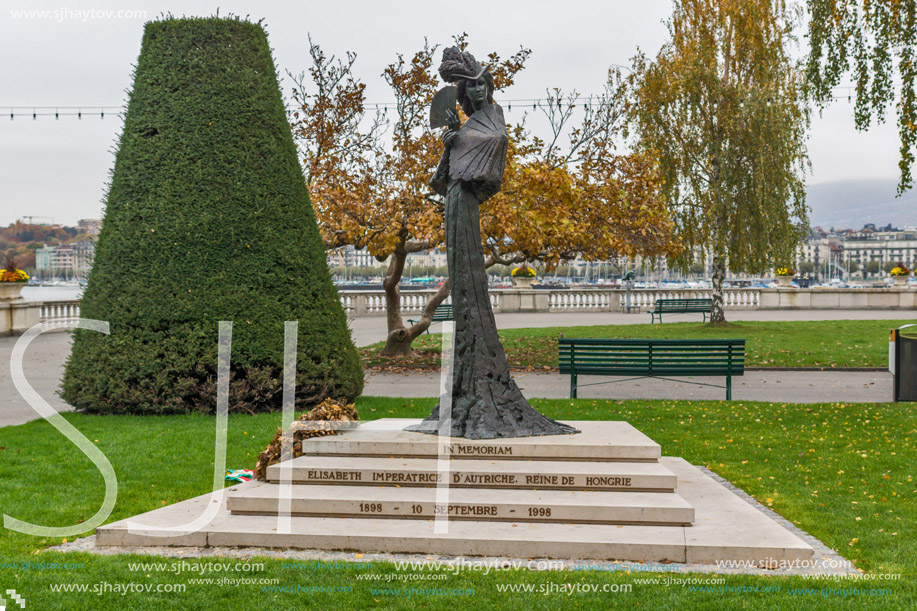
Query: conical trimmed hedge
x,y
207,219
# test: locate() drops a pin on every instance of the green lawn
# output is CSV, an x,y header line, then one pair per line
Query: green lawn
x,y
841,472
831,343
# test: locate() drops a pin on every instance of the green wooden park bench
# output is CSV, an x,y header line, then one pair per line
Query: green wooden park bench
x,y
652,358
442,313
681,306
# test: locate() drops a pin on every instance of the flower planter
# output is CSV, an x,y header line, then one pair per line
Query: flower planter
x,y
10,291
785,280
523,282
900,280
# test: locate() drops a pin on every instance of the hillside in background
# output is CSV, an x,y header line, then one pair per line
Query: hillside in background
x,y
21,240
849,204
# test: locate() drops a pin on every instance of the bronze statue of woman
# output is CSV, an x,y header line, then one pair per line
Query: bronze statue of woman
x,y
486,402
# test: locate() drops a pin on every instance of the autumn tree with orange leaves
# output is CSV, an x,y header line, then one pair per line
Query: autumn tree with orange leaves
x,y
564,197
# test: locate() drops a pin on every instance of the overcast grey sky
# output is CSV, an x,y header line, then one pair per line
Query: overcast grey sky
x,y
81,54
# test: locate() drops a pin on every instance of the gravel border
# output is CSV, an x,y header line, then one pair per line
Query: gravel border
x,y
394,368
826,560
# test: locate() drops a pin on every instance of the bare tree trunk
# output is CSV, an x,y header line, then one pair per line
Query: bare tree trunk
x,y
718,309
399,339
395,344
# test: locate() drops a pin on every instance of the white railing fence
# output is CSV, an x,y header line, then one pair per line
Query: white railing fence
x,y
582,301
735,299
372,303
53,313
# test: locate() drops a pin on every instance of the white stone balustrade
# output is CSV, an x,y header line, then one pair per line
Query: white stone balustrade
x,y
735,298
372,303
54,314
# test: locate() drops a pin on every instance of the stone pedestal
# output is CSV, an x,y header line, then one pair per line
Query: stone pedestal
x,y
606,493
10,291
17,316
524,300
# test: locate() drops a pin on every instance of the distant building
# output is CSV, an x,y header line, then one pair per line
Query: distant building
x,y
43,257
833,251
823,249
348,256
90,226
884,246
434,257
66,260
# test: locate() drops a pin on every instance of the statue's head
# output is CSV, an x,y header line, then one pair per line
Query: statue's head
x,y
475,93
473,80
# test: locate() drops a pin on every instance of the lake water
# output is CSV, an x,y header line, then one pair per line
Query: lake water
x,y
51,293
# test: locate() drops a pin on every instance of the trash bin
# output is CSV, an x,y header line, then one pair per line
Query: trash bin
x,y
902,362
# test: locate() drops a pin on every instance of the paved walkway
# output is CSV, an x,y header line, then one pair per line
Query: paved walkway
x,y
43,365
371,329
45,358
774,386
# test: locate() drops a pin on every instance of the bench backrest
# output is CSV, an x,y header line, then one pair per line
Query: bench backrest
x,y
443,312
680,305
652,356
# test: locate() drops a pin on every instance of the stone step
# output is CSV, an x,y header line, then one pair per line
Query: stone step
x,y
529,474
726,528
565,506
599,440
459,537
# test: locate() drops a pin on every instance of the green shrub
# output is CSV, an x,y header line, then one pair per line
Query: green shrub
x,y
207,218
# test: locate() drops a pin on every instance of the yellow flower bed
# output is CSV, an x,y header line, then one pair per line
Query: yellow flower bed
x,y
786,271
13,275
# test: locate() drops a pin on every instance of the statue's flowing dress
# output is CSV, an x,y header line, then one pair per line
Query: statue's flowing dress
x,y
486,402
